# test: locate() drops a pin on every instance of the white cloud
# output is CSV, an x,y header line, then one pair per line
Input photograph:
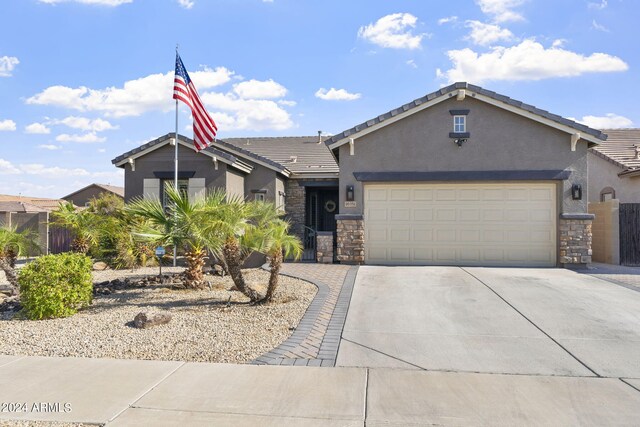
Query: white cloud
x,y
528,60
598,6
86,138
7,64
599,27
97,2
256,89
53,171
7,125
487,34
287,103
393,31
187,4
83,123
7,168
558,43
447,20
134,98
336,95
501,10
608,121
37,128
411,63
102,150
50,147
233,113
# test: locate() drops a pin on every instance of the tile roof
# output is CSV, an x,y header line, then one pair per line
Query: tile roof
x,y
477,89
38,202
15,206
620,148
299,154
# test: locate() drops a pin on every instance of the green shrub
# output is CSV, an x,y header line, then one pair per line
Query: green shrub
x,y
56,285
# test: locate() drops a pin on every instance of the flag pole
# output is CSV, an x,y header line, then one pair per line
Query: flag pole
x,y
175,171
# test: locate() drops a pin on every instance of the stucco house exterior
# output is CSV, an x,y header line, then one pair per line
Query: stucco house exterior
x,y
298,174
614,177
614,167
461,176
83,196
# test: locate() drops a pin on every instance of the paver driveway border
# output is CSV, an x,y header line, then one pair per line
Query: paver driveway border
x,y
317,337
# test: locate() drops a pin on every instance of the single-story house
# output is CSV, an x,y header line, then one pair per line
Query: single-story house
x,y
83,196
461,176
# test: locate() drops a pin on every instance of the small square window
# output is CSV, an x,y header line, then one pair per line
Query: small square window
x,y
459,124
259,197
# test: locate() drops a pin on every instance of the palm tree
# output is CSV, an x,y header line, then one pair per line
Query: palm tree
x,y
82,223
226,221
12,244
279,245
177,225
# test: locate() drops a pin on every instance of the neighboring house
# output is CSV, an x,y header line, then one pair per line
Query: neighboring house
x,y
44,203
614,192
614,167
461,176
83,196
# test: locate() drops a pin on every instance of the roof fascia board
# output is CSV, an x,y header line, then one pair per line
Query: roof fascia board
x,y
331,175
391,120
238,153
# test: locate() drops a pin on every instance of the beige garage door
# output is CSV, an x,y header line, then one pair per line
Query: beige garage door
x,y
461,224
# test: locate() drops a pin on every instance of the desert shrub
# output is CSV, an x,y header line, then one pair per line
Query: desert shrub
x,y
56,285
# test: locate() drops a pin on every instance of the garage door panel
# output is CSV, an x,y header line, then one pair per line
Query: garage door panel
x,y
452,224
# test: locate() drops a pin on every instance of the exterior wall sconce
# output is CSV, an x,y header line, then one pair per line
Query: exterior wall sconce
x,y
459,141
576,192
350,193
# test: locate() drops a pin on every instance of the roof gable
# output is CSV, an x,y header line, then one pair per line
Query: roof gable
x,y
461,90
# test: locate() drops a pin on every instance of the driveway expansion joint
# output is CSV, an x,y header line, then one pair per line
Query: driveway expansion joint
x,y
532,323
316,339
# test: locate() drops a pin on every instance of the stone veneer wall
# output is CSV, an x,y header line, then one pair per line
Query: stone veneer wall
x,y
324,247
350,235
575,239
294,206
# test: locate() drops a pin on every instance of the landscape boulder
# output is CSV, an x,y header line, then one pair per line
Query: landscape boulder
x,y
144,320
99,266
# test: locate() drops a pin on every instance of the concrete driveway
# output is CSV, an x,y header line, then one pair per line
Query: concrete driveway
x,y
492,320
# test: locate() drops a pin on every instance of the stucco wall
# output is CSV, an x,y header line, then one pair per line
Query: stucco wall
x,y
604,174
235,184
499,140
161,160
260,178
81,198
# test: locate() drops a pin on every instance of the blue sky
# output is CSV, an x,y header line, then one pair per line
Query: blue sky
x,y
82,81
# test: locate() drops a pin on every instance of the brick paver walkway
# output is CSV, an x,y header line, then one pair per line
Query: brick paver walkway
x,y
317,337
619,274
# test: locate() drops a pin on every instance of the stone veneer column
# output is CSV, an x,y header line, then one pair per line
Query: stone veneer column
x,y
324,247
294,206
350,237
575,240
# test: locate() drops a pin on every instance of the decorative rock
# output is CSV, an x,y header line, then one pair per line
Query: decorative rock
x,y
145,320
218,270
100,266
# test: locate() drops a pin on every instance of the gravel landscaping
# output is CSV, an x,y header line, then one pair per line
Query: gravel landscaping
x,y
212,325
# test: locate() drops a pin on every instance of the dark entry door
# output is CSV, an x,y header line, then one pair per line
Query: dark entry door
x,y
630,233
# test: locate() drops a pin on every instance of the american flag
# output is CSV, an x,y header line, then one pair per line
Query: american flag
x,y
204,128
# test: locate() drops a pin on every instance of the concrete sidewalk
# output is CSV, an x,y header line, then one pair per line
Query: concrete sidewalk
x,y
135,392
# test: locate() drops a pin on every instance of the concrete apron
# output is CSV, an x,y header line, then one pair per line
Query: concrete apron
x,y
133,392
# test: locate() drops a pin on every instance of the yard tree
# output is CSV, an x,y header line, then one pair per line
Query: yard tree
x,y
12,245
